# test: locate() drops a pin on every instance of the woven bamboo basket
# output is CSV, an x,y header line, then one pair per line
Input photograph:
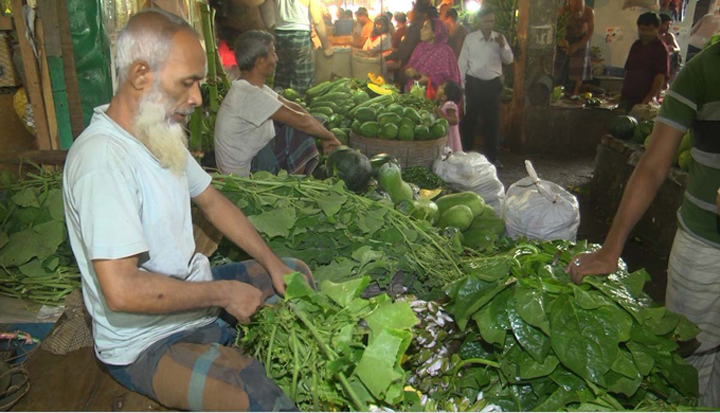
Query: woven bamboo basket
x,y
408,153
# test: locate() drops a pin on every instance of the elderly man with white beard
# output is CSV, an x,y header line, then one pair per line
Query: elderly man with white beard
x,y
128,184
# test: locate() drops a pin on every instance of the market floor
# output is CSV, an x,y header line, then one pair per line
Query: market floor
x,y
575,175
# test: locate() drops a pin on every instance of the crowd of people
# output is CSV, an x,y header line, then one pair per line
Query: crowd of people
x,y
432,51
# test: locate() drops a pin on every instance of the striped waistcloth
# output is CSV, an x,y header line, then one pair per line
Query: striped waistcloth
x,y
290,150
693,290
295,68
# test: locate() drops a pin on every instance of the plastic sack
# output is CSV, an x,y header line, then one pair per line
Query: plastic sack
x,y
540,210
646,4
472,172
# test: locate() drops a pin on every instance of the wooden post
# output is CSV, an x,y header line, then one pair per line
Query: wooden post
x,y
32,77
46,85
53,60
72,89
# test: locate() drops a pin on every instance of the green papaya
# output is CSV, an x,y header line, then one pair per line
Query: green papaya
x,y
479,239
360,97
340,135
369,129
490,223
467,198
421,133
396,109
388,131
438,130
458,216
411,114
406,133
407,122
355,127
389,117
366,115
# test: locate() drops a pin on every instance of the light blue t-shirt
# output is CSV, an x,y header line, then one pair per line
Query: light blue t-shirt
x,y
120,202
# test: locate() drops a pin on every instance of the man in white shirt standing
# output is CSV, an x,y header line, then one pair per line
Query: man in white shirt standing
x,y
481,59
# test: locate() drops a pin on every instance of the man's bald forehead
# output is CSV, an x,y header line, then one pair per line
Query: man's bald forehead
x,y
159,23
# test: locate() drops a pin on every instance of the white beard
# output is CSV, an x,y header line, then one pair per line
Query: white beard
x,y
164,138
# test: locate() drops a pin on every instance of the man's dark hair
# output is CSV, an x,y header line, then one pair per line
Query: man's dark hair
x,y
401,17
453,91
348,14
648,19
389,15
422,10
432,13
452,14
665,18
361,11
250,46
485,11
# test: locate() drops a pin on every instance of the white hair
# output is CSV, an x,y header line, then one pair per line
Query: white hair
x,y
147,41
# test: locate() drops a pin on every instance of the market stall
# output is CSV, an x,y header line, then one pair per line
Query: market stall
x,y
436,289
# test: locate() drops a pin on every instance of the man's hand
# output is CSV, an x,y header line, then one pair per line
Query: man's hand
x,y
423,80
573,48
500,40
411,73
328,51
243,300
277,276
329,145
594,263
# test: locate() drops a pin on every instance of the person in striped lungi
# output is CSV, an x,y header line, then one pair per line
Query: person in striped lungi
x,y
693,290
295,67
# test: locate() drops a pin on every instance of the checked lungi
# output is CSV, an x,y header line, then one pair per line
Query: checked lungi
x,y
290,150
199,370
295,68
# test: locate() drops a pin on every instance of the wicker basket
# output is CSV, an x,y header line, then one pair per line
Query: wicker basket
x,y
408,153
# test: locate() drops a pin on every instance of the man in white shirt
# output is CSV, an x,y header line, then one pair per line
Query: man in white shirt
x,y
481,59
257,129
127,186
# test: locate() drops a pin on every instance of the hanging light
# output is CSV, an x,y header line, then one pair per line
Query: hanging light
x,y
472,6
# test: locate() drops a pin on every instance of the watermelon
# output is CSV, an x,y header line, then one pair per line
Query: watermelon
x,y
623,127
643,130
349,165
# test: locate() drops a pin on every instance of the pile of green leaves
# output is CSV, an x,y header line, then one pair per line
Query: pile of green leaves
x,y
36,261
422,177
339,234
535,341
416,99
330,350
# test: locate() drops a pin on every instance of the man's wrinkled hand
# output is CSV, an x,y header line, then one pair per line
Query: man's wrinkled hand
x,y
500,41
243,300
278,279
594,263
328,52
329,145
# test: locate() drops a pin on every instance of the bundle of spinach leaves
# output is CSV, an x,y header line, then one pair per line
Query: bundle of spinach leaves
x,y
36,261
532,340
339,234
330,350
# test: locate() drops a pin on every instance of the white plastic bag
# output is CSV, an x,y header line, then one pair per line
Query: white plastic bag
x,y
540,210
472,172
646,4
